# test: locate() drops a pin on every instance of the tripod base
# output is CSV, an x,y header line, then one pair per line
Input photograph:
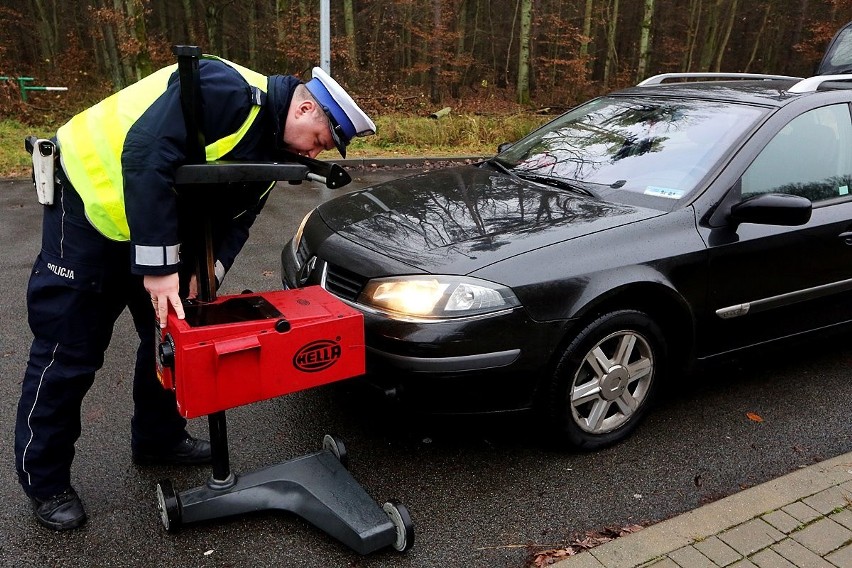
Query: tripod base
x,y
317,487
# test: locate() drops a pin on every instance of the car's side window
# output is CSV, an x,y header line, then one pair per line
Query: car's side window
x,y
810,157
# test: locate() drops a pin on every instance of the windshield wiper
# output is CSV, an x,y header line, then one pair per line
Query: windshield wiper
x,y
497,164
562,183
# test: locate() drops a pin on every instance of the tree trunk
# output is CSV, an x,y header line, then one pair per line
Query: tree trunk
x,y
712,39
142,65
303,19
645,39
756,41
112,59
723,43
48,34
251,24
524,53
695,7
611,61
461,26
349,26
127,71
510,43
189,22
435,69
587,30
281,25
213,19
798,27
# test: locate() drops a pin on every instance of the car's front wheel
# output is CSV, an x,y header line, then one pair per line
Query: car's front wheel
x,y
605,379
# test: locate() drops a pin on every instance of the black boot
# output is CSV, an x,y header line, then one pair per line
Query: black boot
x,y
62,512
189,451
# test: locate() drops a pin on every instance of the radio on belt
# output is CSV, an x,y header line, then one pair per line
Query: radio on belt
x,y
250,347
44,159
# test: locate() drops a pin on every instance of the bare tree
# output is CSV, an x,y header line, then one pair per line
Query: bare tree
x,y
723,42
524,52
758,36
437,37
349,25
611,58
48,27
645,39
138,38
587,29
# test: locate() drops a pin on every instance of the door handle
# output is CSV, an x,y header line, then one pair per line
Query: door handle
x,y
847,237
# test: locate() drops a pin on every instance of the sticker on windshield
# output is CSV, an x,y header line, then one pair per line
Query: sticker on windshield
x,y
664,192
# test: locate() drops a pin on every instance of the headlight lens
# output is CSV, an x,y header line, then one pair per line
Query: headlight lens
x,y
297,238
428,296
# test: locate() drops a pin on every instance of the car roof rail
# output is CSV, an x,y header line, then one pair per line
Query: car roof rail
x,y
811,84
658,79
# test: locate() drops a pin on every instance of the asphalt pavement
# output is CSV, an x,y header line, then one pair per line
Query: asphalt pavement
x,y
482,491
800,520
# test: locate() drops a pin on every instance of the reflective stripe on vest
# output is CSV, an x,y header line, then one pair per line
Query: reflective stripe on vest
x,y
92,142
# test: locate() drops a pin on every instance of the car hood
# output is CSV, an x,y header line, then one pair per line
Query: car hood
x,y
457,220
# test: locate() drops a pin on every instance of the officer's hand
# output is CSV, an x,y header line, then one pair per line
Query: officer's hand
x,y
164,291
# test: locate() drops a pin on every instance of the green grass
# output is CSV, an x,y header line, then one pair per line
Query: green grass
x,y
14,160
396,136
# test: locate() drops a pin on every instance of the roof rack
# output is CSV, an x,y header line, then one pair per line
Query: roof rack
x,y
811,84
658,79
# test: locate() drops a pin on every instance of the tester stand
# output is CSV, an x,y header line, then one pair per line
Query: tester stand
x,y
250,334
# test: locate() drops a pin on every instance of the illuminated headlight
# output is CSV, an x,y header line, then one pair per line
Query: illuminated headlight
x,y
297,238
428,296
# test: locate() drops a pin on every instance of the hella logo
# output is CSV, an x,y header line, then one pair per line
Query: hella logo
x,y
317,355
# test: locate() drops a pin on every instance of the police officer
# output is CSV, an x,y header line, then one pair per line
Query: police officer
x,y
112,239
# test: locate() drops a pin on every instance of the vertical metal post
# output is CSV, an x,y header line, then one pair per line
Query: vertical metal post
x,y
190,98
325,36
202,237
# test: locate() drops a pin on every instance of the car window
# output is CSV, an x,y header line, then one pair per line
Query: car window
x,y
810,157
634,150
838,56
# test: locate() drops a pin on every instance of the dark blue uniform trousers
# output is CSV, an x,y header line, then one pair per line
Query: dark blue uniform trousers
x,y
79,285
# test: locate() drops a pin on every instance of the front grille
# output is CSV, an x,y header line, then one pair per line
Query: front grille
x,y
343,283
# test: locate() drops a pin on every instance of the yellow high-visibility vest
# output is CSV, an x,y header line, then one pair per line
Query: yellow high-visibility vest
x,y
92,141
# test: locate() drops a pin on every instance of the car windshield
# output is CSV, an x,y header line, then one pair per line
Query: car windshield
x,y
642,151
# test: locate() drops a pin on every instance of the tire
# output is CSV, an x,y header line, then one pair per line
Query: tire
x,y
605,379
401,519
338,449
168,504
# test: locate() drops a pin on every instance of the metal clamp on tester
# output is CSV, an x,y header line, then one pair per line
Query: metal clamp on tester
x,y
235,350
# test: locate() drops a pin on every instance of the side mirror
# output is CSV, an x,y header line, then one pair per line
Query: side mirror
x,y
772,209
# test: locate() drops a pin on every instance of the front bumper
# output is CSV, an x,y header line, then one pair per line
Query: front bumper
x,y
482,363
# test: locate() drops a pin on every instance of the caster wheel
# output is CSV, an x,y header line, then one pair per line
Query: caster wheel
x,y
337,448
168,505
398,514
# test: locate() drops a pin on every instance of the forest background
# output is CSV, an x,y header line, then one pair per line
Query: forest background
x,y
501,66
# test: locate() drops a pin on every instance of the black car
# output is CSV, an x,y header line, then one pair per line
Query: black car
x,y
641,233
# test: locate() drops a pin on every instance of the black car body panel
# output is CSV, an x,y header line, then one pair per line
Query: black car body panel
x,y
459,220
597,223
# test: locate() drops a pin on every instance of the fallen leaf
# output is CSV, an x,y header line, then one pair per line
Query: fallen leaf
x,y
588,541
754,417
